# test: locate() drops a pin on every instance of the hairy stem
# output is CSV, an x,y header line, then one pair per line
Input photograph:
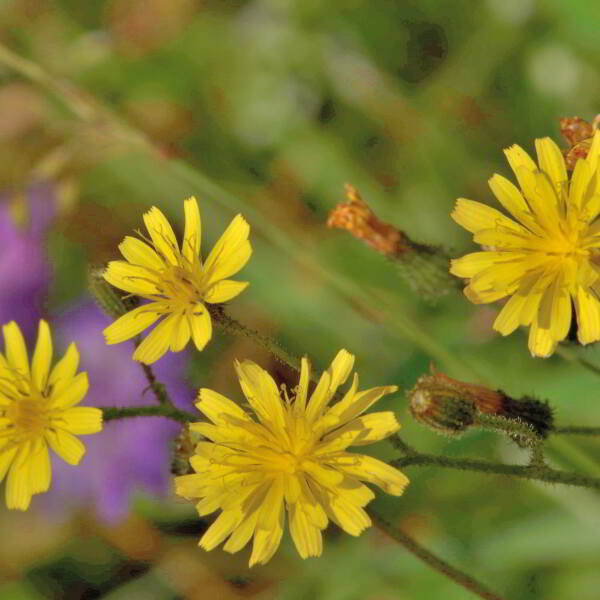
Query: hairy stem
x,y
112,413
459,577
576,430
538,472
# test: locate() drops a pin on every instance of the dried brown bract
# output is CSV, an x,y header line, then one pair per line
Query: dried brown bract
x,y
579,134
356,217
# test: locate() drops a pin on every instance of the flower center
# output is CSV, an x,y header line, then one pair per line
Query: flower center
x,y
178,284
29,415
288,462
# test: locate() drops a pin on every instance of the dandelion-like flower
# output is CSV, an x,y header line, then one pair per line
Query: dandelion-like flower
x,y
37,410
176,282
547,258
293,456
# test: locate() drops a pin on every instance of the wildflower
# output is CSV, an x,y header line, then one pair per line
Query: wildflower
x,y
293,456
176,282
131,454
546,259
37,410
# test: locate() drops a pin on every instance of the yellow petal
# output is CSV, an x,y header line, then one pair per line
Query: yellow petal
x,y
224,290
162,235
555,312
519,161
231,252
18,483
370,428
192,235
472,264
66,367
269,527
351,518
242,534
42,356
551,161
509,317
225,523
132,323
367,468
307,538
593,156
157,342
81,420
587,308
6,458
66,445
131,278
337,374
139,253
15,349
201,326
302,391
541,342
70,394
181,332
40,472
475,217
218,408
542,199
512,200
348,409
262,393
578,190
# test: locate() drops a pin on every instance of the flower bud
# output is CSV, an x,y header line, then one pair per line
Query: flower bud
x,y
441,407
107,297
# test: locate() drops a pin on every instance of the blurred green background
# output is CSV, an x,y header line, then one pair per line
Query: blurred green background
x,y
267,107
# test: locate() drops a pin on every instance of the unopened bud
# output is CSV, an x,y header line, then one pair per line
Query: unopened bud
x,y
452,406
183,448
440,407
107,297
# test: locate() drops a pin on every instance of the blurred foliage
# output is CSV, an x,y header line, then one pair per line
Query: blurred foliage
x,y
268,107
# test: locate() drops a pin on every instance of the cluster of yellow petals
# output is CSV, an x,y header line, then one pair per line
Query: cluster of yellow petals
x,y
547,256
176,282
292,456
37,410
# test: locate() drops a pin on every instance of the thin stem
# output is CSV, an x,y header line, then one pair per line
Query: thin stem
x,y
459,577
233,327
112,413
534,472
160,393
516,429
572,357
576,430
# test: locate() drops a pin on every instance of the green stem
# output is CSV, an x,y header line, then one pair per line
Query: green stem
x,y
459,577
515,429
576,430
160,393
534,471
112,413
233,327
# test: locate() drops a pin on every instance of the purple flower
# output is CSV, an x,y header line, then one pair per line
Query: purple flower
x,y
24,271
128,454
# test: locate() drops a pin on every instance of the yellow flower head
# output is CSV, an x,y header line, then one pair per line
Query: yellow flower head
x,y
37,410
176,282
293,455
547,258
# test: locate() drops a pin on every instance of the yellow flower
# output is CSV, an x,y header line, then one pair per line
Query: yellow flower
x,y
548,257
293,455
37,410
176,282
